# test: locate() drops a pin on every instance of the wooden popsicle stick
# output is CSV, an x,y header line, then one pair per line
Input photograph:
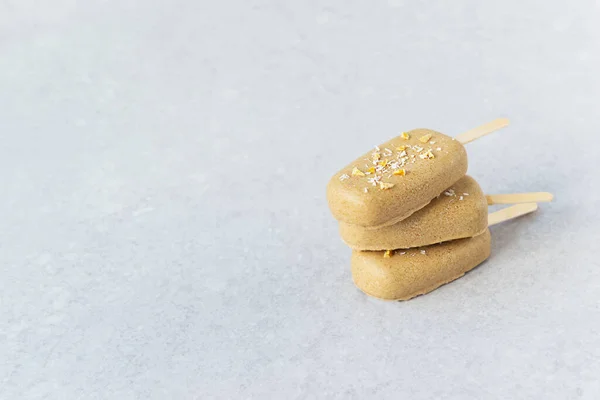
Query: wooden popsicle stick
x,y
511,212
517,198
482,130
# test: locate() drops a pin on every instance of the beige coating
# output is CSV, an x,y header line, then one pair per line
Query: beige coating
x,y
404,276
430,167
461,211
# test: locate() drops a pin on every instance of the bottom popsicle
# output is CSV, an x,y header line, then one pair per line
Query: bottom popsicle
x,y
412,272
405,273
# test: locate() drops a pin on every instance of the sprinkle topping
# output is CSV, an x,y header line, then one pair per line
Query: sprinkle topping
x,y
428,155
382,165
385,185
374,180
388,254
357,172
425,138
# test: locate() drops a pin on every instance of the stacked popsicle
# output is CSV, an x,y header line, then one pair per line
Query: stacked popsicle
x,y
412,217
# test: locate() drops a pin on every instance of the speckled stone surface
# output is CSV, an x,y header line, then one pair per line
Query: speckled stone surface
x,y
164,228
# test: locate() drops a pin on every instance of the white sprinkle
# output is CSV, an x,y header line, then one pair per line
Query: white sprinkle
x,y
450,192
422,251
366,190
377,148
432,142
403,154
344,177
439,149
403,253
460,198
465,194
428,154
418,148
373,181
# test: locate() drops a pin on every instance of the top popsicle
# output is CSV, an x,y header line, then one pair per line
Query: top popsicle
x,y
399,177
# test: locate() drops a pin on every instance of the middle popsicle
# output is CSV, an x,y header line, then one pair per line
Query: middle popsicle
x,y
461,211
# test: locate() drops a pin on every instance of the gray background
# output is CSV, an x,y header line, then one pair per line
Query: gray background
x,y
164,232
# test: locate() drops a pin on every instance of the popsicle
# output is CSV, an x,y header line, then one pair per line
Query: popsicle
x,y
404,274
399,177
461,211
413,272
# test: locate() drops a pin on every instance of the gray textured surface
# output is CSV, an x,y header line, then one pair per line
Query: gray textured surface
x,y
164,232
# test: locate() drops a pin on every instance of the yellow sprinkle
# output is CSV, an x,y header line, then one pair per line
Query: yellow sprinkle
x,y
383,163
401,148
388,254
425,138
405,136
357,172
385,185
371,170
400,172
376,156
